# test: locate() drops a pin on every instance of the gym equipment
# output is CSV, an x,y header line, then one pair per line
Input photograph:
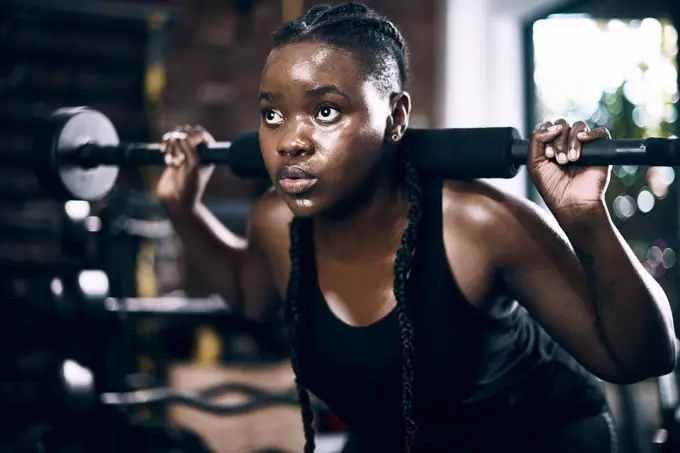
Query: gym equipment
x,y
258,399
85,294
80,406
77,381
167,305
77,154
82,300
666,439
47,238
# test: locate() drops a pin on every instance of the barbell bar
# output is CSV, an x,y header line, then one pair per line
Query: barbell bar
x,y
77,154
85,296
257,399
168,305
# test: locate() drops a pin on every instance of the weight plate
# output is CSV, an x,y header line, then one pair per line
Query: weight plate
x,y
65,130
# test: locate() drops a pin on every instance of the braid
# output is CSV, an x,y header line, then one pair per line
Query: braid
x,y
389,29
314,14
301,250
382,52
402,268
301,258
347,10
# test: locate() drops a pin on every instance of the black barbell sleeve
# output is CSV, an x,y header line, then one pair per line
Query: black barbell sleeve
x,y
462,153
139,154
444,153
243,155
614,152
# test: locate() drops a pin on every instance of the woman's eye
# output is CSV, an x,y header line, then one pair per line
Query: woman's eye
x,y
327,114
272,117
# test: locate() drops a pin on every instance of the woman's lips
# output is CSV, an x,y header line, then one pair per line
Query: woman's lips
x,y
295,180
297,186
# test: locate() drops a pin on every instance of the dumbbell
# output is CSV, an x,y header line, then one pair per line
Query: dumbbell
x,y
77,154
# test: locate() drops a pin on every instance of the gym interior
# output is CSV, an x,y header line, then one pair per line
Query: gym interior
x,y
112,342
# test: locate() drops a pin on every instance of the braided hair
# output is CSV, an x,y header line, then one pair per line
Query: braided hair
x,y
382,53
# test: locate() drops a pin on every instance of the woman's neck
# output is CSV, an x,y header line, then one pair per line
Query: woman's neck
x,y
373,221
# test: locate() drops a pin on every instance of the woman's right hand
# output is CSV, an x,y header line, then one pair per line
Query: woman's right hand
x,y
183,181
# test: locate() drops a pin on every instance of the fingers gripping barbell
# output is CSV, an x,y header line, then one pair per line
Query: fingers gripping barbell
x,y
77,154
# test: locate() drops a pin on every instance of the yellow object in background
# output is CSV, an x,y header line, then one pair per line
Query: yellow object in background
x,y
208,346
147,284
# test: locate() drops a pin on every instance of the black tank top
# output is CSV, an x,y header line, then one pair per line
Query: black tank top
x,y
481,384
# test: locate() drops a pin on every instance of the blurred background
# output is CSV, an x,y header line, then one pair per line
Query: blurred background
x,y
81,376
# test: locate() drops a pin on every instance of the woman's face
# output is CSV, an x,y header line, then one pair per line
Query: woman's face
x,y
323,125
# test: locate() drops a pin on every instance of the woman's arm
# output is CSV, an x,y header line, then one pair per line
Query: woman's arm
x,y
595,299
236,267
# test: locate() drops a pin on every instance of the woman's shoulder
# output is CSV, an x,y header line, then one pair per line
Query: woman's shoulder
x,y
271,204
481,207
486,211
474,201
270,219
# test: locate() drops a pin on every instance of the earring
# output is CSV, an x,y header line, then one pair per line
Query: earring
x,y
395,137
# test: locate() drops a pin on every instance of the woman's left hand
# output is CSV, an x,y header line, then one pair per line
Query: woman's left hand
x,y
570,192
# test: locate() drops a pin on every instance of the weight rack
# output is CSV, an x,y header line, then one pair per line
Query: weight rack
x,y
58,53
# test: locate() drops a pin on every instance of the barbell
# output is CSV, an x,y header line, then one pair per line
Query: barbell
x,y
77,154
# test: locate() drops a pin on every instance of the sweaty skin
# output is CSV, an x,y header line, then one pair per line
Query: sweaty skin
x,y
323,117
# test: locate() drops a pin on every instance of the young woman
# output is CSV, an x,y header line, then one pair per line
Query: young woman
x,y
489,329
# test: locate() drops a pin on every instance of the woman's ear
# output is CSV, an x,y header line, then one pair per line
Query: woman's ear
x,y
401,113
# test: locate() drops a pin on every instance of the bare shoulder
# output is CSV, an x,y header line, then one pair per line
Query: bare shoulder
x,y
483,228
270,221
475,206
269,234
486,213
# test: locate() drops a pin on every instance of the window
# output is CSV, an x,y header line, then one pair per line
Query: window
x,y
623,76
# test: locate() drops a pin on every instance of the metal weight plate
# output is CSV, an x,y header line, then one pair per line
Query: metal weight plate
x,y
67,129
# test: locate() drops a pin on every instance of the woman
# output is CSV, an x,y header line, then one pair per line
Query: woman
x,y
487,330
